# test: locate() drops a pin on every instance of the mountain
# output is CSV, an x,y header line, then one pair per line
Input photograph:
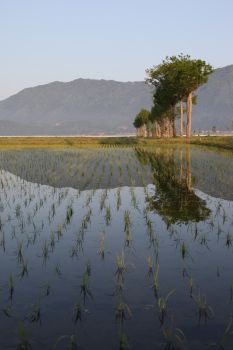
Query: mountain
x,y
80,106
106,106
215,101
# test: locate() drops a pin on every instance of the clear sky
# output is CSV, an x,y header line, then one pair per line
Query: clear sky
x,y
46,40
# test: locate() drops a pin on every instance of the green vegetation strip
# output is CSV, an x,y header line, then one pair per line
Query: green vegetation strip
x,y
225,142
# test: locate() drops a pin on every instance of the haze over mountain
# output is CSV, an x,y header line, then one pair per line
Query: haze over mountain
x,y
86,106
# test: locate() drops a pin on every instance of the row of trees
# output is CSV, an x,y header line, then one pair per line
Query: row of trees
x,y
174,82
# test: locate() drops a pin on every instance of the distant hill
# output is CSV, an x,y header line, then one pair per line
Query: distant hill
x,y
106,106
79,106
215,101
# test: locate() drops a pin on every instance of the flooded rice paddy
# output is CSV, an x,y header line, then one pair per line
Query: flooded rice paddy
x,y
116,248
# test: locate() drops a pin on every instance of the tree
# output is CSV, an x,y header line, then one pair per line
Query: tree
x,y
141,122
175,80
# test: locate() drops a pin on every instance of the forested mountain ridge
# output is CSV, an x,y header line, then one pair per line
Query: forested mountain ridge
x,y
87,106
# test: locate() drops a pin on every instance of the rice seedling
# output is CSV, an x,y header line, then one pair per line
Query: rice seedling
x,y
23,269
108,215
150,265
46,289
118,199
173,338
17,211
162,303
35,314
19,252
23,335
127,221
72,343
128,237
7,312
88,269
77,313
204,311
101,251
190,286
69,214
123,341
11,287
155,285
225,337
229,239
122,311
84,287
57,270
59,231
45,251
120,264
184,250
52,240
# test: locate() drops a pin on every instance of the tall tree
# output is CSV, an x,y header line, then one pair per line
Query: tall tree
x,y
175,80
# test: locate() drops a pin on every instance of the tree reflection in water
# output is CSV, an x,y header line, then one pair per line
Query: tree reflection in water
x,y
173,199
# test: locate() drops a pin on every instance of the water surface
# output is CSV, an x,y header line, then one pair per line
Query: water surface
x,y
116,249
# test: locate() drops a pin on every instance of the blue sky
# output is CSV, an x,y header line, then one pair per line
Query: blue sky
x,y
47,40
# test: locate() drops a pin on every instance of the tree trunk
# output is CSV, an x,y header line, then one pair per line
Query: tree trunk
x,y
189,115
181,117
188,167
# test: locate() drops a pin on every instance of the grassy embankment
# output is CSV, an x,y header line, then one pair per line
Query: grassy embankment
x,y
224,142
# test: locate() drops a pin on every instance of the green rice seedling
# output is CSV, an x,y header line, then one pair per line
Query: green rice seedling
x,y
123,342
155,285
69,214
150,265
19,252
224,216
7,312
46,290
119,285
23,335
120,264
219,231
190,286
59,231
229,239
58,270
227,334
35,314
84,286
23,269
103,198
17,211
133,198
101,251
72,343
11,287
127,221
3,241
77,313
108,215
45,251
52,240
173,339
122,311
162,303
204,311
118,198
88,269
128,237
184,250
